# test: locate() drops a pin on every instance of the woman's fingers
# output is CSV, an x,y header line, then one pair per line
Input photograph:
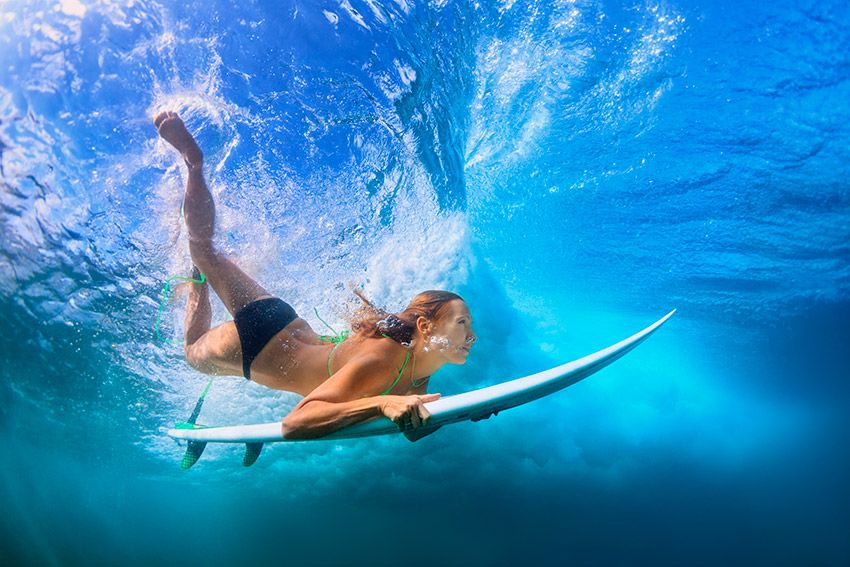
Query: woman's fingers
x,y
413,414
402,421
423,414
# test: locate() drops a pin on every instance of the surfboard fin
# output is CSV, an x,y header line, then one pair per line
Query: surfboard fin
x,y
252,453
419,433
195,448
192,454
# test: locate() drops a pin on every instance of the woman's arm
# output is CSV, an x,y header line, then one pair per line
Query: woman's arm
x,y
344,399
317,418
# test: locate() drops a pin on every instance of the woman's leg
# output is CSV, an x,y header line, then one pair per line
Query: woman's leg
x,y
211,351
198,310
235,288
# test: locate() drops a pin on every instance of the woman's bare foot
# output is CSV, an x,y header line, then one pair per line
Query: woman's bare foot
x,y
173,131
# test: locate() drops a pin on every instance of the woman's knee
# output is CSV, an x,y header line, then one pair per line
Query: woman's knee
x,y
200,360
192,357
216,352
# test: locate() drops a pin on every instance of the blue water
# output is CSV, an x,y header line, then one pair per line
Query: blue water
x,y
573,169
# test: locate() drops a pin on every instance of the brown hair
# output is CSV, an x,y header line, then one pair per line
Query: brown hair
x,y
370,321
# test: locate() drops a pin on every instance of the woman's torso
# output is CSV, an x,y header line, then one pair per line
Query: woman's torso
x,y
296,360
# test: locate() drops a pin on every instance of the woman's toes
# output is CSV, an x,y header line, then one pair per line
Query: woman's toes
x,y
159,118
163,117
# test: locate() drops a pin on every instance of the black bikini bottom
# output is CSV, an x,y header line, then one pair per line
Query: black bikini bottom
x,y
257,323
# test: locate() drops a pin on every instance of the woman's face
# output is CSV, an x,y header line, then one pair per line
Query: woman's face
x,y
452,335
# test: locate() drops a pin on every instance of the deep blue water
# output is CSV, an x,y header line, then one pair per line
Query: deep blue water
x,y
573,169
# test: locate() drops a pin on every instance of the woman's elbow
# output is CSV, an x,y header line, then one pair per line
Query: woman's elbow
x,y
295,428
291,428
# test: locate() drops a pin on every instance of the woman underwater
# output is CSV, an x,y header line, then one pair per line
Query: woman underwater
x,y
382,369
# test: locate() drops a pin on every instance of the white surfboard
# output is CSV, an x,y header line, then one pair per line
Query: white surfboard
x,y
472,405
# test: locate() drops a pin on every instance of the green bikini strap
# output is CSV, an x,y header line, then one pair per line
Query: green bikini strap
x,y
336,338
329,357
400,372
339,337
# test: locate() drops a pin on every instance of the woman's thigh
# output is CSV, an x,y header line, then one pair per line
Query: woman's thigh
x,y
217,352
235,288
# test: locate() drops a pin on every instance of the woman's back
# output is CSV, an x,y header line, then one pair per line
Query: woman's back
x,y
297,360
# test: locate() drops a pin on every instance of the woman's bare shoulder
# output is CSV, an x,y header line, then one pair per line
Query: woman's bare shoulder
x,y
380,350
361,376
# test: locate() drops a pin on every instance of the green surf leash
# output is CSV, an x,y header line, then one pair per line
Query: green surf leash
x,y
166,289
197,411
194,449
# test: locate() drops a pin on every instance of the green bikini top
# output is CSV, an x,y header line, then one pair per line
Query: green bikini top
x,y
340,337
